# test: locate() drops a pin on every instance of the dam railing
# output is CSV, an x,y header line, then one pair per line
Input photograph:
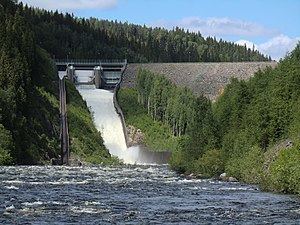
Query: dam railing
x,y
89,61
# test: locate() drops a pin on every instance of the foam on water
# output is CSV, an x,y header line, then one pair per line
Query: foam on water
x,y
12,187
30,204
10,208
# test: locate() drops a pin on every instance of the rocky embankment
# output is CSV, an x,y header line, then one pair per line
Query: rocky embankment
x,y
135,136
208,79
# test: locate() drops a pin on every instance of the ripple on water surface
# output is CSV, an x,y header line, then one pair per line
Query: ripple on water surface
x,y
133,195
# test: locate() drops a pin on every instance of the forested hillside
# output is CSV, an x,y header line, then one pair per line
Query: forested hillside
x,y
64,35
29,113
29,122
251,131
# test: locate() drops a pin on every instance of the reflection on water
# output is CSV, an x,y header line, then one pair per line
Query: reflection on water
x,y
133,195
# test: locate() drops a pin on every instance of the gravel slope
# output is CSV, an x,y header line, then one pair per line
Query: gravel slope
x,y
202,78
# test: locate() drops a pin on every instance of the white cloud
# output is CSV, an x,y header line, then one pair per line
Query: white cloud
x,y
277,47
248,44
219,26
72,4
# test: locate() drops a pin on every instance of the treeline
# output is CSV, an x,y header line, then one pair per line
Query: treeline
x,y
65,36
189,117
29,108
251,132
157,135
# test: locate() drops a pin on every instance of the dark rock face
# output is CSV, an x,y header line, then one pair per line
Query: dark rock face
x,y
208,79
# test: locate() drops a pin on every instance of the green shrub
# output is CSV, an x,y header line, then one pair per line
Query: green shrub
x,y
252,166
284,173
5,158
233,167
6,146
180,160
247,168
211,163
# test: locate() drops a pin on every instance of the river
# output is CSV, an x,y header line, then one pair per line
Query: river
x,y
133,195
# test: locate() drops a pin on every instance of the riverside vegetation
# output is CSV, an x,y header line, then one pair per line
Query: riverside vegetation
x,y
29,121
157,135
252,131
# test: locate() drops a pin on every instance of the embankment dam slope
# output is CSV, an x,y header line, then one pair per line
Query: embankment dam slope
x,y
208,79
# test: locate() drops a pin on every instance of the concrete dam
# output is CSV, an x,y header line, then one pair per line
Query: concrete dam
x,y
97,83
97,86
208,79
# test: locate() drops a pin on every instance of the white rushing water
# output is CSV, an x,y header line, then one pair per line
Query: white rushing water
x,y
107,121
84,76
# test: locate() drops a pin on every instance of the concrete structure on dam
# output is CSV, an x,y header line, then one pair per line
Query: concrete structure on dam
x,y
208,79
91,77
106,73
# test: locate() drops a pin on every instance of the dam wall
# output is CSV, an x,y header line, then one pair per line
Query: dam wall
x,y
119,110
208,79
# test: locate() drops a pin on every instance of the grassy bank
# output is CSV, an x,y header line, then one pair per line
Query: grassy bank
x,y
85,141
158,136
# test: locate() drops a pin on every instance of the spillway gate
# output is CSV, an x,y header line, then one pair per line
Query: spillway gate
x,y
106,73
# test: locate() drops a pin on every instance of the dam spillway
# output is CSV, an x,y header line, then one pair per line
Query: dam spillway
x,y
108,122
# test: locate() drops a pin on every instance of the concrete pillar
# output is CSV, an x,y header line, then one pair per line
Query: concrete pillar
x,y
64,133
71,73
97,74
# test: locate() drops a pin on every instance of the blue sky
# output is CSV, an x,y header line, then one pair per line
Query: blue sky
x,y
273,26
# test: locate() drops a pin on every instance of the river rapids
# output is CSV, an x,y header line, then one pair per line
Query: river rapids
x,y
133,195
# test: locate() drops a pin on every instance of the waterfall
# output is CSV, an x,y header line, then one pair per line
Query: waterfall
x,y
108,122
